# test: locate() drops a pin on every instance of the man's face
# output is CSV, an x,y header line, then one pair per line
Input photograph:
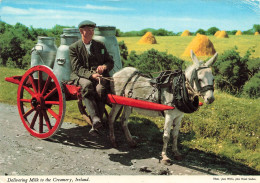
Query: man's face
x,y
87,32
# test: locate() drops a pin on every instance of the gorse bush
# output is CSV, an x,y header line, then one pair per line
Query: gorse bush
x,y
253,66
153,61
123,50
252,88
231,71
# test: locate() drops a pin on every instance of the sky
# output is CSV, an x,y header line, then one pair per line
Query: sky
x,y
130,15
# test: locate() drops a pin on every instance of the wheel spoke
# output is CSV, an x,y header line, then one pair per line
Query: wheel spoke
x,y
28,112
26,100
41,123
53,113
34,120
46,85
39,81
53,91
33,84
47,120
52,102
28,90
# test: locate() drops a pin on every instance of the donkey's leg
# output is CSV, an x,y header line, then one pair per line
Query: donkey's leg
x,y
112,115
176,129
166,136
124,122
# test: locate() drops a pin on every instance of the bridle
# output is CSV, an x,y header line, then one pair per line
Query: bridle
x,y
195,80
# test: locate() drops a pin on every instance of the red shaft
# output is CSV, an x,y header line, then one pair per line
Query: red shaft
x,y
115,99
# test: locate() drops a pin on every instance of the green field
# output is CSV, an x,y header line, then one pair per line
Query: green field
x,y
227,129
176,45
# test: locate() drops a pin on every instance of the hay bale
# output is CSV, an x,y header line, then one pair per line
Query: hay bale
x,y
217,33
222,34
186,33
238,33
201,46
256,33
148,38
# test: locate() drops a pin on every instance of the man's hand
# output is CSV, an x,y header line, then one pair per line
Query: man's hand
x,y
96,76
101,69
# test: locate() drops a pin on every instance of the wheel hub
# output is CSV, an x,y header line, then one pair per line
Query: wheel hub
x,y
34,102
37,102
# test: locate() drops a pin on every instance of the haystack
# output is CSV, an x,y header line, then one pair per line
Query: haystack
x,y
201,46
186,33
217,33
222,34
256,33
148,38
238,33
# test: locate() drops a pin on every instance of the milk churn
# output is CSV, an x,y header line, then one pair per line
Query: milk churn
x,y
72,31
106,34
62,65
43,53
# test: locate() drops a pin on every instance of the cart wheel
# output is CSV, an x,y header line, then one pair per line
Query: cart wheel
x,y
41,102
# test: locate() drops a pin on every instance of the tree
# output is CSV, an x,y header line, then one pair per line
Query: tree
x,y
10,45
201,31
118,33
2,27
163,32
256,28
212,30
22,31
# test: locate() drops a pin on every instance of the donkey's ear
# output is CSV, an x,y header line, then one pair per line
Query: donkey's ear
x,y
194,58
212,60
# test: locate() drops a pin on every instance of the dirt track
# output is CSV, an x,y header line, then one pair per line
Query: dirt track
x,y
72,151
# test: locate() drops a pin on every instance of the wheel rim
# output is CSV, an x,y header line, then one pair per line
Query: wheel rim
x,y
41,103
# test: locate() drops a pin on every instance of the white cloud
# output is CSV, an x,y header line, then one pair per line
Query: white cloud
x,y
94,7
13,11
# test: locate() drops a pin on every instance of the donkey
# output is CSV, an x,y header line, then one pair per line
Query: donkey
x,y
201,81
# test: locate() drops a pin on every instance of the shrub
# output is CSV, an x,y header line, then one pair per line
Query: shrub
x,y
153,61
123,51
252,88
253,66
231,71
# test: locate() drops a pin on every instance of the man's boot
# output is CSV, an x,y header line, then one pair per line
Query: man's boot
x,y
92,109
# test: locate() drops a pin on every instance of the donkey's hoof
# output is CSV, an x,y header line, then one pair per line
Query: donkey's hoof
x,y
166,161
178,157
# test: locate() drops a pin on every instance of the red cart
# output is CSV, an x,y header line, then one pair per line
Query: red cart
x,y
41,101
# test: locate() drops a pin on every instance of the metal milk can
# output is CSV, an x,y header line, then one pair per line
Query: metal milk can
x,y
106,34
72,31
43,53
62,65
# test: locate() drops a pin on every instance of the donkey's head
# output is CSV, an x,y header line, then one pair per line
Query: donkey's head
x,y
200,77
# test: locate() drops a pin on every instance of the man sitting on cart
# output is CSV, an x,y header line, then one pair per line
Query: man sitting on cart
x,y
90,61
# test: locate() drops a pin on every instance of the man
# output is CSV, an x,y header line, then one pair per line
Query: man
x,y
90,61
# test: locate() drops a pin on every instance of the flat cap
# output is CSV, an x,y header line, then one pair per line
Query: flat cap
x,y
87,23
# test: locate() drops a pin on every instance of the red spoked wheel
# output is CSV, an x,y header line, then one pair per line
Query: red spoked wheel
x,y
41,102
